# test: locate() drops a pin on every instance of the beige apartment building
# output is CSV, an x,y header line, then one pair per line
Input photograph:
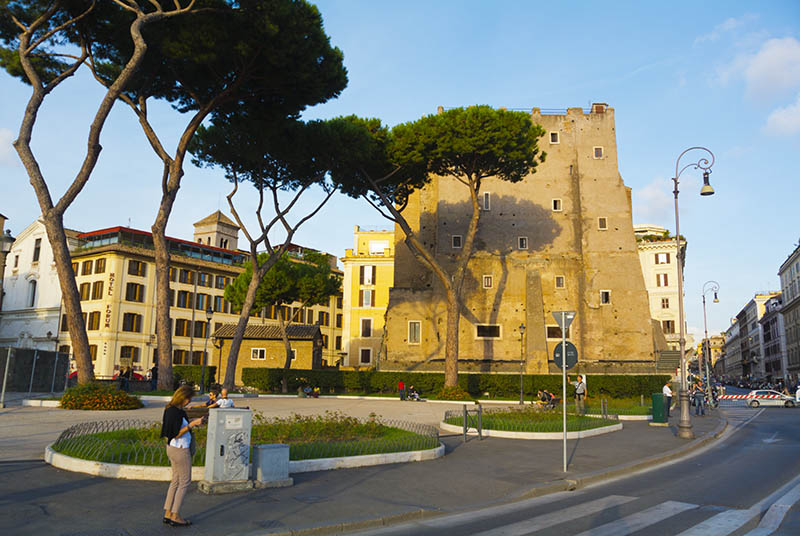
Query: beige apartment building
x,y
561,239
789,273
115,272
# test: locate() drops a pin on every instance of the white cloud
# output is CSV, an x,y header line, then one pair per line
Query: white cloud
x,y
7,153
727,26
653,203
770,72
784,121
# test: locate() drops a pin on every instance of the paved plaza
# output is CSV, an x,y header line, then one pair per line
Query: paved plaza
x,y
39,499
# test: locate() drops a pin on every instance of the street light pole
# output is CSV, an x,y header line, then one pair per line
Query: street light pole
x,y
521,361
209,314
685,424
706,343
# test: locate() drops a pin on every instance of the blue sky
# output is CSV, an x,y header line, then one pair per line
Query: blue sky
x,y
723,74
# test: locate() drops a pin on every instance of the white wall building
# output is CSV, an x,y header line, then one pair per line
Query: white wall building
x,y
660,270
32,301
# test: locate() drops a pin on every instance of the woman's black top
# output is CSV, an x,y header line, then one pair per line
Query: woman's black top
x,y
172,421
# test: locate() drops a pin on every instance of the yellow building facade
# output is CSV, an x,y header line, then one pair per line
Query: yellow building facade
x,y
368,276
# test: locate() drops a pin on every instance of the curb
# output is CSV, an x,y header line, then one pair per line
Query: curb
x,y
540,436
164,473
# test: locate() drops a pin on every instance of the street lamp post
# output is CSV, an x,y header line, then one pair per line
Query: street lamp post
x,y
685,424
209,314
708,286
521,360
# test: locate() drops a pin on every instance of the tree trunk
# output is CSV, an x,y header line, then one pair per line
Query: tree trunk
x,y
287,345
72,300
451,339
236,343
163,322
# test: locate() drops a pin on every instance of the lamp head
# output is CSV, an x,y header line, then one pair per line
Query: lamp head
x,y
716,300
706,189
522,328
209,313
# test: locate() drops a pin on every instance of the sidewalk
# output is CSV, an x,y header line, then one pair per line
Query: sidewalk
x,y
472,475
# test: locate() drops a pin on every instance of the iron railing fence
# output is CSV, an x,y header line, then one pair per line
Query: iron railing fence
x,y
524,419
96,441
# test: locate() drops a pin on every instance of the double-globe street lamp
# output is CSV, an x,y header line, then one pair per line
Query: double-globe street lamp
x,y
685,423
708,286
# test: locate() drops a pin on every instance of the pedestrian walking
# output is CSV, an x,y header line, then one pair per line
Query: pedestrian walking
x,y
177,428
154,377
667,397
580,396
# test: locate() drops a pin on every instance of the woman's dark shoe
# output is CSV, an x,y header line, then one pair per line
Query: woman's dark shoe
x,y
174,523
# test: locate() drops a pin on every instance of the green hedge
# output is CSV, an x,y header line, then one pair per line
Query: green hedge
x,y
497,385
191,374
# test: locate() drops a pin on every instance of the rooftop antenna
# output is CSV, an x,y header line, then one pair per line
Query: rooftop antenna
x,y
129,222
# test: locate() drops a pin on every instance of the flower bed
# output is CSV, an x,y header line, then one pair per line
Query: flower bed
x,y
328,436
527,419
96,396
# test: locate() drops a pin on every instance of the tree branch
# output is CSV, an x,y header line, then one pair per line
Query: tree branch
x,y
60,27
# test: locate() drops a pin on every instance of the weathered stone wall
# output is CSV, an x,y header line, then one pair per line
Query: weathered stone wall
x,y
565,241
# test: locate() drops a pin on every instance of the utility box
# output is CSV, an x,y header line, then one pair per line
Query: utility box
x,y
227,451
659,410
271,466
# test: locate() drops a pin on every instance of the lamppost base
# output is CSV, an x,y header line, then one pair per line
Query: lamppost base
x,y
685,423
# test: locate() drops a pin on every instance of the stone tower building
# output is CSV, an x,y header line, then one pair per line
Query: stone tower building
x,y
217,230
561,239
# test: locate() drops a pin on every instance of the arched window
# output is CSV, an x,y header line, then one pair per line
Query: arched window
x,y
32,293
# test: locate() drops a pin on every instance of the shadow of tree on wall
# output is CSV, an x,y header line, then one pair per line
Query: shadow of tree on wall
x,y
497,239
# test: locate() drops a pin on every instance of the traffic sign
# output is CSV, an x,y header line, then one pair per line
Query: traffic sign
x,y
564,319
572,355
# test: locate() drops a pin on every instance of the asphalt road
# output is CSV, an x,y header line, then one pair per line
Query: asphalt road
x,y
724,489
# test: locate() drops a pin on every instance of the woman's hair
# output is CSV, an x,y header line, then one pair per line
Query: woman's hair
x,y
181,395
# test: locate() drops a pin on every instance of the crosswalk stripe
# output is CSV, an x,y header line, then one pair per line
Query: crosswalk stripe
x,y
638,521
555,518
721,524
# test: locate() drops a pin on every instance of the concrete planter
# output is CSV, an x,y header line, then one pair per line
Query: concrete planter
x,y
534,435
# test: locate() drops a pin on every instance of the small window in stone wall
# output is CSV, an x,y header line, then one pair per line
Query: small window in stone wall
x,y
597,153
560,281
602,224
554,138
605,297
487,281
456,241
557,205
522,242
487,331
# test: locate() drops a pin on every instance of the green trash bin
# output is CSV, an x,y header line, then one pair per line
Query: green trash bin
x,y
659,408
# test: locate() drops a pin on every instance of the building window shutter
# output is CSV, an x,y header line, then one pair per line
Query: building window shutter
x,y
361,297
360,275
374,275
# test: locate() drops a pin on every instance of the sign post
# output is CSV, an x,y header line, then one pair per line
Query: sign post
x,y
564,319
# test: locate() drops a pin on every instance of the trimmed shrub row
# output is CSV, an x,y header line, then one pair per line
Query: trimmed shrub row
x,y
96,396
497,385
191,374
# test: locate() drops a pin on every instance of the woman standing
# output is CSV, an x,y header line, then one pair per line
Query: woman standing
x,y
177,428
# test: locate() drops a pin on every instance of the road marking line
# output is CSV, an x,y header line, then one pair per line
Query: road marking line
x,y
721,524
556,518
447,521
638,521
774,516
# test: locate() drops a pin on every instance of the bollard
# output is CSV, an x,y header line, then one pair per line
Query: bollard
x,y
465,423
5,377
641,400
33,369
55,368
480,422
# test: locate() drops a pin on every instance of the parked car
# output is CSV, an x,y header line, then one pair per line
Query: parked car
x,y
765,397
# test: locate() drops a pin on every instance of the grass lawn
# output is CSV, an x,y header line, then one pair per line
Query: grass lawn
x,y
331,435
532,419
